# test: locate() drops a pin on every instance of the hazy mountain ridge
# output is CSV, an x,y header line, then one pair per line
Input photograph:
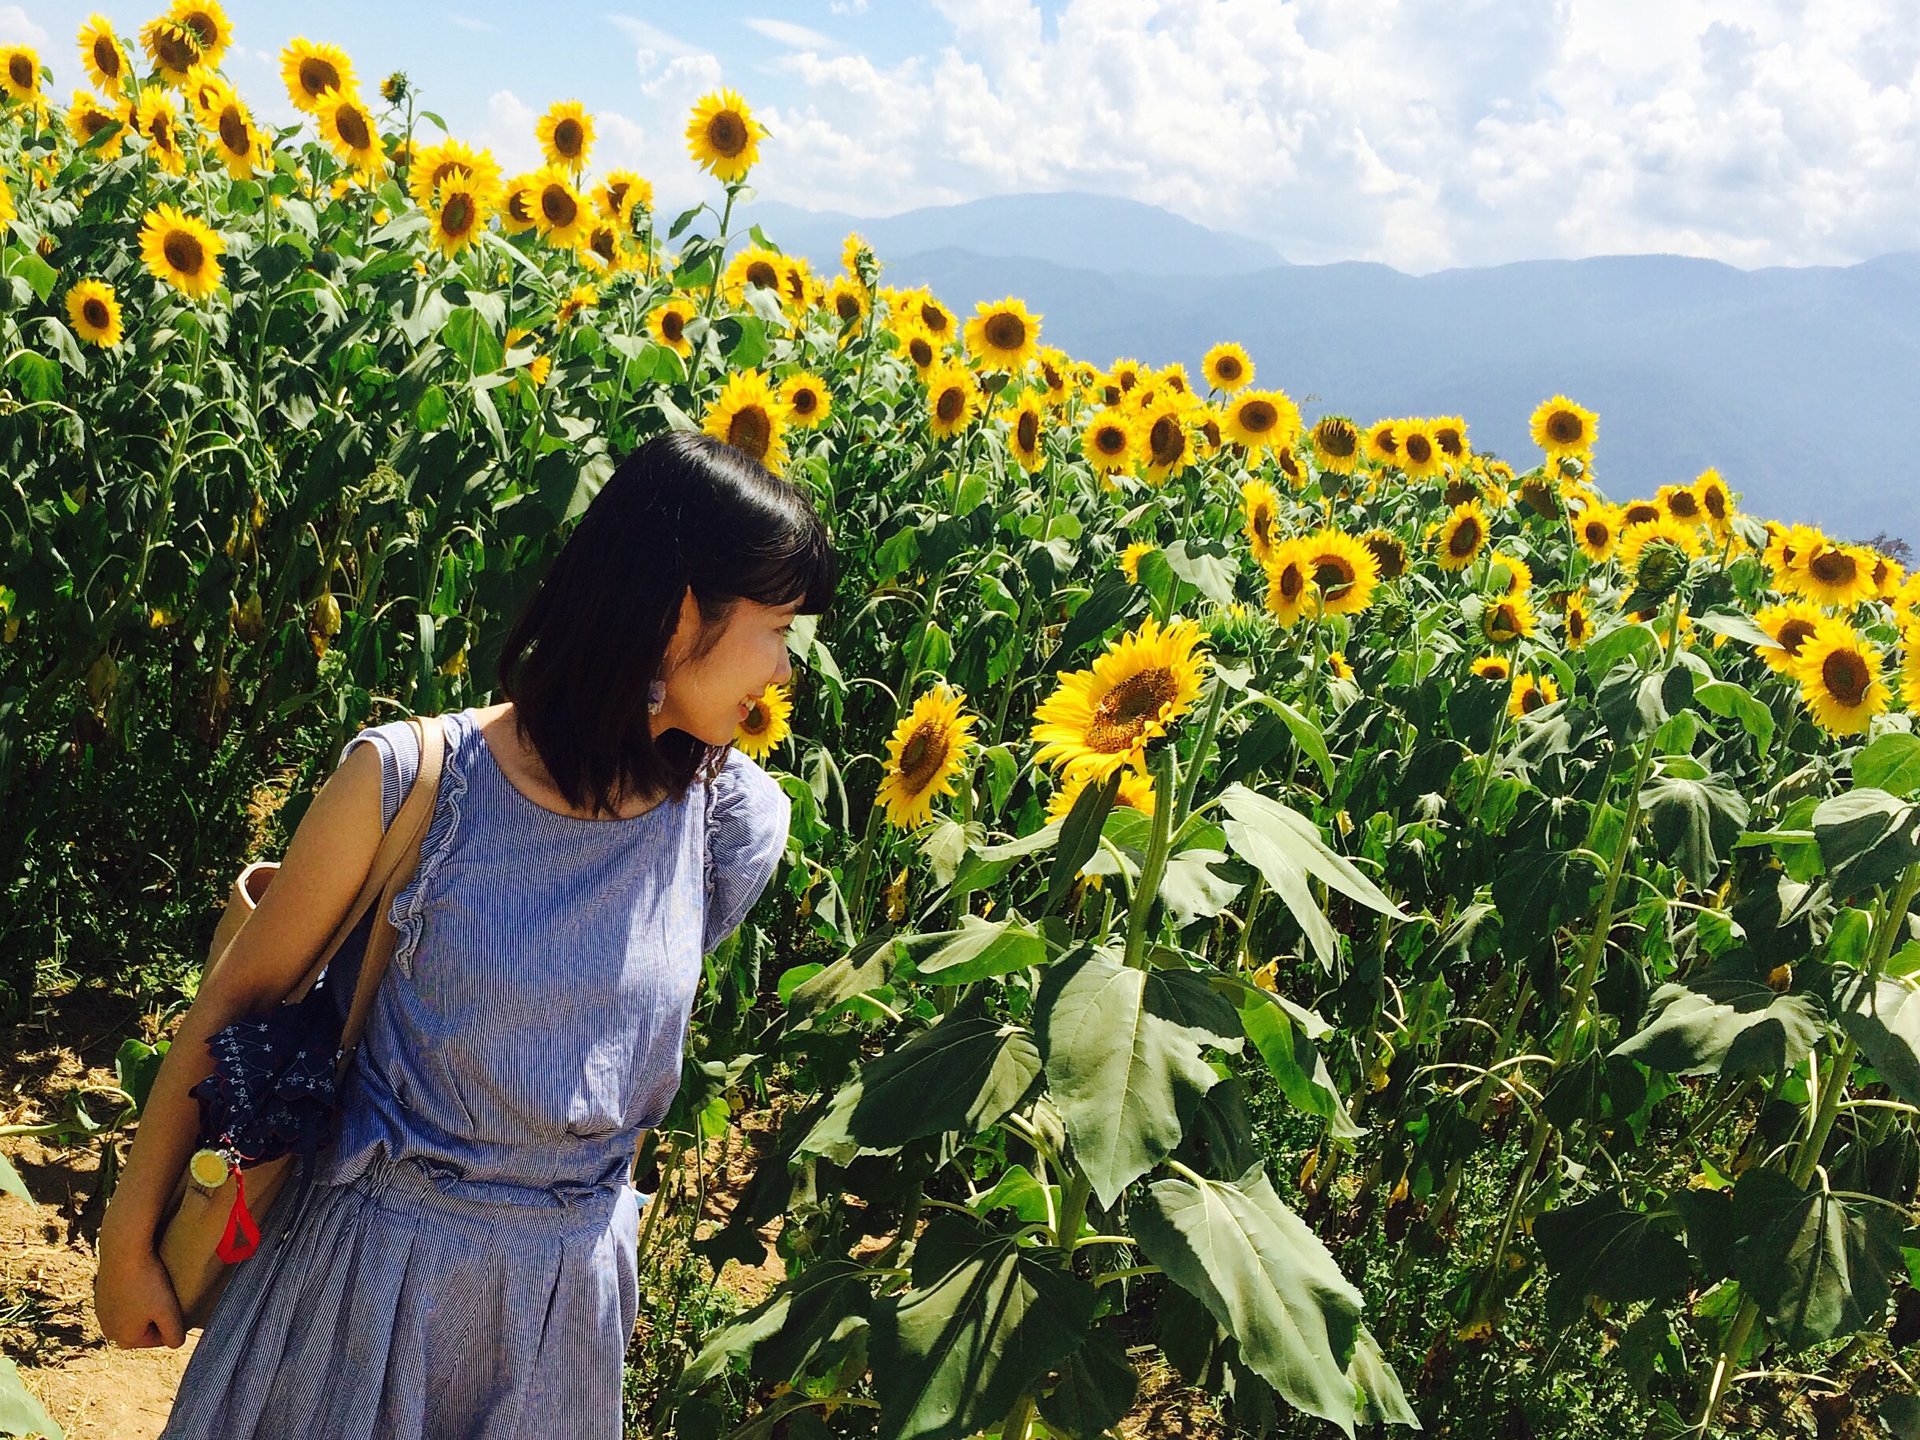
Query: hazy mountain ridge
x,y
1782,378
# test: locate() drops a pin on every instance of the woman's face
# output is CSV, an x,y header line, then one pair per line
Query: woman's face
x,y
708,696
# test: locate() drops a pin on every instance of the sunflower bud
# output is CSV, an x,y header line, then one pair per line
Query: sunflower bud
x,y
102,676
326,616
1393,616
1663,565
383,484
395,88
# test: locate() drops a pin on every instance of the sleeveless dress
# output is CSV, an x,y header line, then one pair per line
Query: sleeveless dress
x,y
464,1266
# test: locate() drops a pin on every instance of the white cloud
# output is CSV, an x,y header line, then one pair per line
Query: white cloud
x,y
847,7
794,37
1424,133
472,22
17,29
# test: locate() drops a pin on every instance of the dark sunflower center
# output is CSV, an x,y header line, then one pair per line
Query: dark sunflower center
x,y
1338,441
1460,491
1531,699
1293,580
1419,449
921,349
617,195
1005,331
94,121
1127,379
351,122
1290,465
1565,428
175,48
1388,554
1451,444
1504,624
1845,675
457,217
1576,624
318,76
1122,714
1262,523
1211,429
1641,514
558,206
1110,440
1465,538
1833,567
727,133
20,71
1715,503
1259,416
751,431
1026,431
1167,440
568,138
1684,505
94,311
1334,574
233,132
762,274
1793,635
205,31
1597,533
673,325
950,405
806,400
106,57
757,719
934,318
846,306
604,244
1386,442
160,129
517,207
184,252
1228,367
922,756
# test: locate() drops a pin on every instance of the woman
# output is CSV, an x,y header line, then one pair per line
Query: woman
x,y
465,1263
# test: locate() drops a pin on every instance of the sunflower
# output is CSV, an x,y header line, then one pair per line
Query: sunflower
x,y
206,27
923,352
806,399
1420,455
6,205
156,120
1519,573
1449,434
796,282
518,208
1260,503
181,250
236,140
620,193
1344,571
925,754
723,137
1596,531
857,257
1259,418
1791,625
755,268
1389,553
1136,793
1026,429
311,70
1109,441
565,134
1839,675
1682,503
94,312
750,417
1634,540
1166,446
1131,557
1002,335
434,165
1337,665
559,214
1577,621
1383,442
668,324
87,117
1507,619
1530,692
458,214
1888,574
1336,444
173,49
103,55
930,313
1493,667
1290,590
347,126
1460,536
1227,367
1101,720
1561,427
1716,501
1126,376
1174,377
1837,575
1786,551
849,302
767,724
602,249
953,398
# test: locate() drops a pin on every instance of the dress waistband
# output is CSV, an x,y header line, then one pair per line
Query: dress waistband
x,y
437,1186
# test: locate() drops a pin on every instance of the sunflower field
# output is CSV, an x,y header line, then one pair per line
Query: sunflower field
x,y
1396,935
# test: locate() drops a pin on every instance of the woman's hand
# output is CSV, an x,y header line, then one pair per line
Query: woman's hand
x,y
134,1300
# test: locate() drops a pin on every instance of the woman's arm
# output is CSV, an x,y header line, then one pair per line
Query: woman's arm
x,y
326,863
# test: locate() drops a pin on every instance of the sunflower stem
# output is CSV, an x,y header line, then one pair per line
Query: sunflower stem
x,y
1166,780
1202,752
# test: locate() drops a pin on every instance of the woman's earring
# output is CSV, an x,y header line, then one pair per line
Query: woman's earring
x,y
656,696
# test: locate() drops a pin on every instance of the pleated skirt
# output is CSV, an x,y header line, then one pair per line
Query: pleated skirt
x,y
408,1304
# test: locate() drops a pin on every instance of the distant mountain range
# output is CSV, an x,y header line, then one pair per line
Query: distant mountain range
x,y
1794,383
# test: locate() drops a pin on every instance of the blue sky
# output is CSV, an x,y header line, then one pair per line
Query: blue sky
x,y
1421,133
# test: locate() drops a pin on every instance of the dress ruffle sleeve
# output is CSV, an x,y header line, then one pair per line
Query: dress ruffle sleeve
x,y
747,819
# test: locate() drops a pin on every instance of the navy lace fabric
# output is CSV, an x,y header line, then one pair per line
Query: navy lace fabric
x,y
272,1089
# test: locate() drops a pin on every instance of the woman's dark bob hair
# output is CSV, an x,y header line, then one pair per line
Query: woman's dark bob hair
x,y
683,510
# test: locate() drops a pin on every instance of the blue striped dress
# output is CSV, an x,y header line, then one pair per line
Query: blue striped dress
x,y
464,1266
